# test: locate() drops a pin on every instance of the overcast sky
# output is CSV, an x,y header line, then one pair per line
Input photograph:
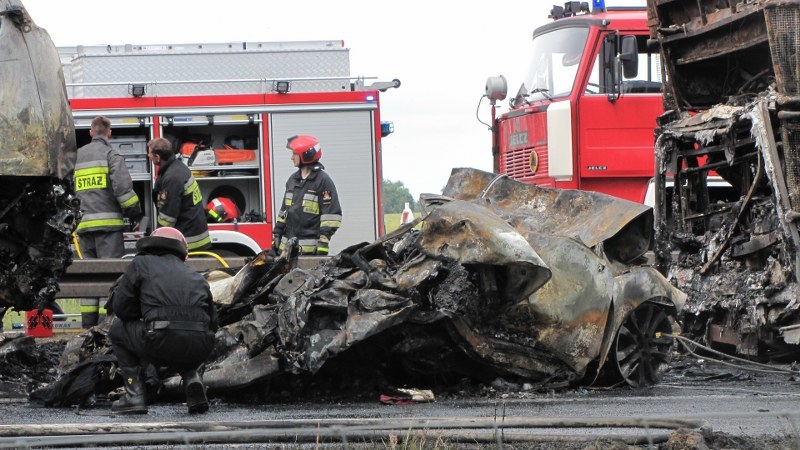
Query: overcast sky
x,y
441,51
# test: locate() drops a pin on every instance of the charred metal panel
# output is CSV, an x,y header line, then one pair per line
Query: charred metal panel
x,y
624,227
735,64
38,211
568,315
737,255
713,49
37,137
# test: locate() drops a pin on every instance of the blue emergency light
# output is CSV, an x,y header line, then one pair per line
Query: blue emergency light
x,y
387,128
599,5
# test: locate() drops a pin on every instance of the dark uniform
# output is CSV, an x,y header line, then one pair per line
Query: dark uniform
x,y
165,317
179,203
105,189
310,212
167,314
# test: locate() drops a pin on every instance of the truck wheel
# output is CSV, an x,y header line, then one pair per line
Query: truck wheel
x,y
640,351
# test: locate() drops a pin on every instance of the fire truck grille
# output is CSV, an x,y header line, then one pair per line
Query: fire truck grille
x,y
518,164
784,42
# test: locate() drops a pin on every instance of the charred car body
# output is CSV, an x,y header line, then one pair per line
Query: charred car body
x,y
732,111
502,279
38,210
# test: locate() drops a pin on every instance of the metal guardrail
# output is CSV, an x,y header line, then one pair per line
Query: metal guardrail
x,y
94,277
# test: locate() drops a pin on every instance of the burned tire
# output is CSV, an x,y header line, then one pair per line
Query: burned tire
x,y
641,351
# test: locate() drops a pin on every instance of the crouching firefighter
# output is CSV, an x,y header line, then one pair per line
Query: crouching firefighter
x,y
166,318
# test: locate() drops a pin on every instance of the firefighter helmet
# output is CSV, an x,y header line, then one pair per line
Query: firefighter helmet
x,y
222,209
164,239
307,147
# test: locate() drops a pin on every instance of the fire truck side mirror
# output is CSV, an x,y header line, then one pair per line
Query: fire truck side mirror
x,y
629,56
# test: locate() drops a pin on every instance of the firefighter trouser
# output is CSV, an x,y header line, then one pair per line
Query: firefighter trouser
x,y
133,347
93,311
102,244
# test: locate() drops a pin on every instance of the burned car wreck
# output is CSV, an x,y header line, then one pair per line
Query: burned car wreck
x,y
501,278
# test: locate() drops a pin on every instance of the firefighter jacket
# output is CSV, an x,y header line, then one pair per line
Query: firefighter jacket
x,y
105,188
310,211
173,301
179,203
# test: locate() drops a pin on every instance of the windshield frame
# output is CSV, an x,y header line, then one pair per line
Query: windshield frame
x,y
552,74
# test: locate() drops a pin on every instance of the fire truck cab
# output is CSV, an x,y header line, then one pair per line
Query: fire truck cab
x,y
584,116
229,109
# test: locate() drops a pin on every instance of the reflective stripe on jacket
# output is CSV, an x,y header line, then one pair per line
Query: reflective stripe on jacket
x,y
104,186
179,203
310,211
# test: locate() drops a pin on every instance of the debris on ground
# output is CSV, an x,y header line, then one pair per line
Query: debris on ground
x,y
407,396
27,364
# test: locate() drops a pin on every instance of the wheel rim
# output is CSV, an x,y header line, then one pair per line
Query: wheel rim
x,y
641,350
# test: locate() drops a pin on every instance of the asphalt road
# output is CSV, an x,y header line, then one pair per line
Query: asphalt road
x,y
727,401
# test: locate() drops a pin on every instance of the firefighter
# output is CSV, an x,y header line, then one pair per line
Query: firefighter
x,y
310,211
177,195
166,317
105,189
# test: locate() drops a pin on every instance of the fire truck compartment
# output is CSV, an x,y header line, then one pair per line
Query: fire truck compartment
x,y
129,145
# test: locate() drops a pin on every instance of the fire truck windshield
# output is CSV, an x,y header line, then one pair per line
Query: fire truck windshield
x,y
554,63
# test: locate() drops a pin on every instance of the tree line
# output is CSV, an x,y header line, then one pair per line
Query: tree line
x,y
395,196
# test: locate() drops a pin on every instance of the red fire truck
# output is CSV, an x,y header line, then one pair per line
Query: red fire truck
x,y
229,108
584,117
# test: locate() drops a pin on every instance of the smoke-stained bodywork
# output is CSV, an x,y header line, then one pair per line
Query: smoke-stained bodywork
x,y
38,211
495,282
728,168
585,238
37,137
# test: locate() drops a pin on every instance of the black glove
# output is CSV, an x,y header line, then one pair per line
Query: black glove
x,y
276,244
322,248
134,213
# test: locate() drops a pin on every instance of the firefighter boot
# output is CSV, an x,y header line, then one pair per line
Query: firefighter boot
x,y
196,399
134,401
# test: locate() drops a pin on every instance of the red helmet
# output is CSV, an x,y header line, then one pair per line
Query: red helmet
x,y
222,209
165,238
307,147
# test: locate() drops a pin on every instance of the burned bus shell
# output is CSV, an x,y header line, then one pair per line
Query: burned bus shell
x,y
38,211
732,112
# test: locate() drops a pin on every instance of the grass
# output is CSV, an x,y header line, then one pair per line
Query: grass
x,y
416,441
391,221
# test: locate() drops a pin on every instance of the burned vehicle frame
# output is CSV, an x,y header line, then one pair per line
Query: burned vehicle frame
x,y
502,278
38,208
732,113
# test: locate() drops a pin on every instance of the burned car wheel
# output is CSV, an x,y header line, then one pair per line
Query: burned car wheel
x,y
641,351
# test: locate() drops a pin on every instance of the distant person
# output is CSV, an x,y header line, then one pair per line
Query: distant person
x,y
178,199
165,317
310,210
105,189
